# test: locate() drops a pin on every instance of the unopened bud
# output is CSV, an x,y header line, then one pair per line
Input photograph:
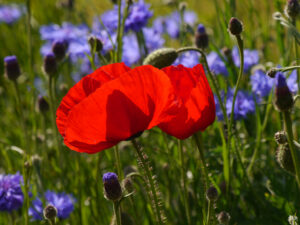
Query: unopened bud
x,y
50,213
280,137
201,38
50,64
95,43
235,26
11,67
292,8
161,58
59,49
284,158
128,185
212,194
223,217
112,187
272,72
283,97
43,104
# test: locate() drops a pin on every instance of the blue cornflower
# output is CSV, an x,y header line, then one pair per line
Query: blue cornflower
x,y
10,13
188,59
11,195
263,84
74,36
64,204
171,24
137,18
251,58
216,64
153,39
244,105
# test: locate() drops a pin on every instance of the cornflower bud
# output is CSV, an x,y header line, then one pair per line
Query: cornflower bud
x,y
283,97
201,38
95,43
223,217
212,194
11,67
284,158
50,213
112,187
271,73
292,8
161,57
235,26
280,137
43,104
59,49
50,64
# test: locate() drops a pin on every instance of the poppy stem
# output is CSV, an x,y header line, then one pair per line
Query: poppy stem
x,y
117,212
153,195
183,180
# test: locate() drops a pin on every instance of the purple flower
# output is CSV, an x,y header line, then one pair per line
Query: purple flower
x,y
188,59
10,13
292,82
153,39
244,105
171,24
137,18
131,52
64,204
261,83
251,58
11,195
216,64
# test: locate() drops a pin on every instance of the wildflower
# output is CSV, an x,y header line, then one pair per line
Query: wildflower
x,y
261,84
212,194
198,109
86,117
112,187
223,217
251,58
216,64
11,195
64,204
49,66
50,213
188,59
244,105
10,13
293,220
12,68
59,49
201,38
235,26
283,96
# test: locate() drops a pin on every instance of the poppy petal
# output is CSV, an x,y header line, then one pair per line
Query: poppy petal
x,y
198,110
84,88
121,108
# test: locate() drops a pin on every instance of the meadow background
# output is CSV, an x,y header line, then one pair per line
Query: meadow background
x,y
269,195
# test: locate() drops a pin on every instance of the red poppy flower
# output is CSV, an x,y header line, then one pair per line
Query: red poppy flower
x,y
198,110
114,103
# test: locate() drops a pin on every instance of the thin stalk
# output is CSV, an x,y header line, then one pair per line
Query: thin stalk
x,y
26,175
150,182
119,37
120,42
117,212
29,37
118,162
288,127
183,180
209,208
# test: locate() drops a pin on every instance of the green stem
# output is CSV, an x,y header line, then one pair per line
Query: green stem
x,y
118,162
288,127
183,180
117,212
150,180
29,37
26,175
284,69
209,207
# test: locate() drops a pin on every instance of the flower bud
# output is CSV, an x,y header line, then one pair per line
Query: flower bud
x,y
182,6
161,57
283,97
128,185
43,104
112,187
223,217
292,8
284,158
272,72
11,67
95,43
235,26
201,38
280,137
59,49
227,52
212,194
50,64
50,213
